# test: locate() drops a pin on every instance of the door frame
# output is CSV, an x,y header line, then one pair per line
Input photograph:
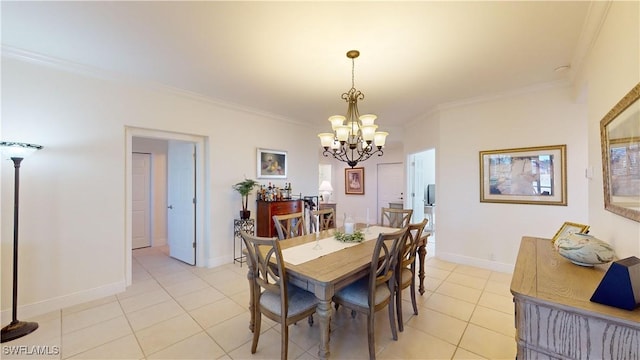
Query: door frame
x,y
202,202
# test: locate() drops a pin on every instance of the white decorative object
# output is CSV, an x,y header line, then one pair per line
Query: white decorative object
x,y
584,250
349,225
325,190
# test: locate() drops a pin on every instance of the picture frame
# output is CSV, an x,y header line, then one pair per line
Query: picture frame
x,y
569,228
530,175
620,146
271,164
354,181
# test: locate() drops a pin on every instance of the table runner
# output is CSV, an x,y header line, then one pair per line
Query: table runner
x,y
299,254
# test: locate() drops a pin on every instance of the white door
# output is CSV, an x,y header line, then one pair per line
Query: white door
x,y
181,200
141,200
418,185
390,185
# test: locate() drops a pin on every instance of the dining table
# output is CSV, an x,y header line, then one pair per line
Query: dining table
x,y
322,265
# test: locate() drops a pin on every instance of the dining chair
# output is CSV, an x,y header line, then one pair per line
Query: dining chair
x,y
406,269
273,296
251,273
375,291
290,225
397,218
322,219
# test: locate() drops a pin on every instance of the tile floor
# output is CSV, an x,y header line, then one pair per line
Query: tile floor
x,y
175,311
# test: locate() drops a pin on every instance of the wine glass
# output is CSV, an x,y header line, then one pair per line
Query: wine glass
x,y
366,230
317,233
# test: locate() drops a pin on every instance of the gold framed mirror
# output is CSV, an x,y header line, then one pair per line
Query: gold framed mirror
x,y
620,141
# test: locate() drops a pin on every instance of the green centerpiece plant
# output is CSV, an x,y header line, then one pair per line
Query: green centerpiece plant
x,y
357,236
244,188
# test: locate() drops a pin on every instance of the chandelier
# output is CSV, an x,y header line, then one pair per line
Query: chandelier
x,y
357,140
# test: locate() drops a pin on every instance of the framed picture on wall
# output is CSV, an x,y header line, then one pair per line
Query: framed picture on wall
x,y
354,181
271,164
533,175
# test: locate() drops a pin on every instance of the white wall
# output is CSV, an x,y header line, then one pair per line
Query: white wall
x,y
471,232
73,192
491,231
611,71
356,205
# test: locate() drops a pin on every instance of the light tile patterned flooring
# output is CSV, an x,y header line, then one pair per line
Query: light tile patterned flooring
x,y
175,311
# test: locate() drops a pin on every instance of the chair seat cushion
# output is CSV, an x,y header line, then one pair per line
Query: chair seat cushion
x,y
406,276
358,293
299,301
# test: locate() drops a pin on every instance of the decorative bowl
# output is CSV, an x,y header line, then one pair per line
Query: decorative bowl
x,y
585,250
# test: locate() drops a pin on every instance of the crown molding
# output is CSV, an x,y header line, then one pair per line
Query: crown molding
x,y
506,94
94,72
596,15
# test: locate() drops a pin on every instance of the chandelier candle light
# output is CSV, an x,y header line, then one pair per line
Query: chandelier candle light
x,y
357,140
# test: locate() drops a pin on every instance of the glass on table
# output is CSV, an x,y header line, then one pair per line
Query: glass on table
x,y
317,234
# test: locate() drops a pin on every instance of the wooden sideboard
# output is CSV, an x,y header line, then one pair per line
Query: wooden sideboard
x,y
553,314
266,210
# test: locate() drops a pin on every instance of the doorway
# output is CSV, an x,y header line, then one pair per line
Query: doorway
x,y
141,210
188,246
390,186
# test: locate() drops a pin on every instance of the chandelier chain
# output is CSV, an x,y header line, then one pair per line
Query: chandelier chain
x,y
353,73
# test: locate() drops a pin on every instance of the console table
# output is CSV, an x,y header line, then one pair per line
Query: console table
x,y
266,210
553,315
246,225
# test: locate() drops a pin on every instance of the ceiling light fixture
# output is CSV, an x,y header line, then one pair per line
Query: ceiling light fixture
x,y
354,141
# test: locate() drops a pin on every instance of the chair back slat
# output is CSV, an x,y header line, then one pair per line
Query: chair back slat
x,y
290,225
266,257
384,260
321,219
408,254
397,218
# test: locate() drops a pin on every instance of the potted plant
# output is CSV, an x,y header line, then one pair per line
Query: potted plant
x,y
244,188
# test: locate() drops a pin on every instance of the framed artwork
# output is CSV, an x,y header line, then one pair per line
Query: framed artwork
x,y
354,181
620,141
533,175
272,164
569,228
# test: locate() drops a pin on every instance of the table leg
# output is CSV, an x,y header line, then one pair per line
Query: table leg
x,y
324,314
422,252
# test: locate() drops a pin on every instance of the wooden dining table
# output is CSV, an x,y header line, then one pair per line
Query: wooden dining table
x,y
325,275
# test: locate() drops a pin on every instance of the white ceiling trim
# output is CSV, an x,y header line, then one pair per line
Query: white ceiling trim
x,y
94,72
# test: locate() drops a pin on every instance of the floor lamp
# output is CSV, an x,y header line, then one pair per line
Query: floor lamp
x,y
16,152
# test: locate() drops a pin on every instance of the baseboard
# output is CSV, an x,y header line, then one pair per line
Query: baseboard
x,y
471,261
217,261
28,311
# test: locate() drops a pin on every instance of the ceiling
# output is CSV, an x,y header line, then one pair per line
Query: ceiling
x,y
288,59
